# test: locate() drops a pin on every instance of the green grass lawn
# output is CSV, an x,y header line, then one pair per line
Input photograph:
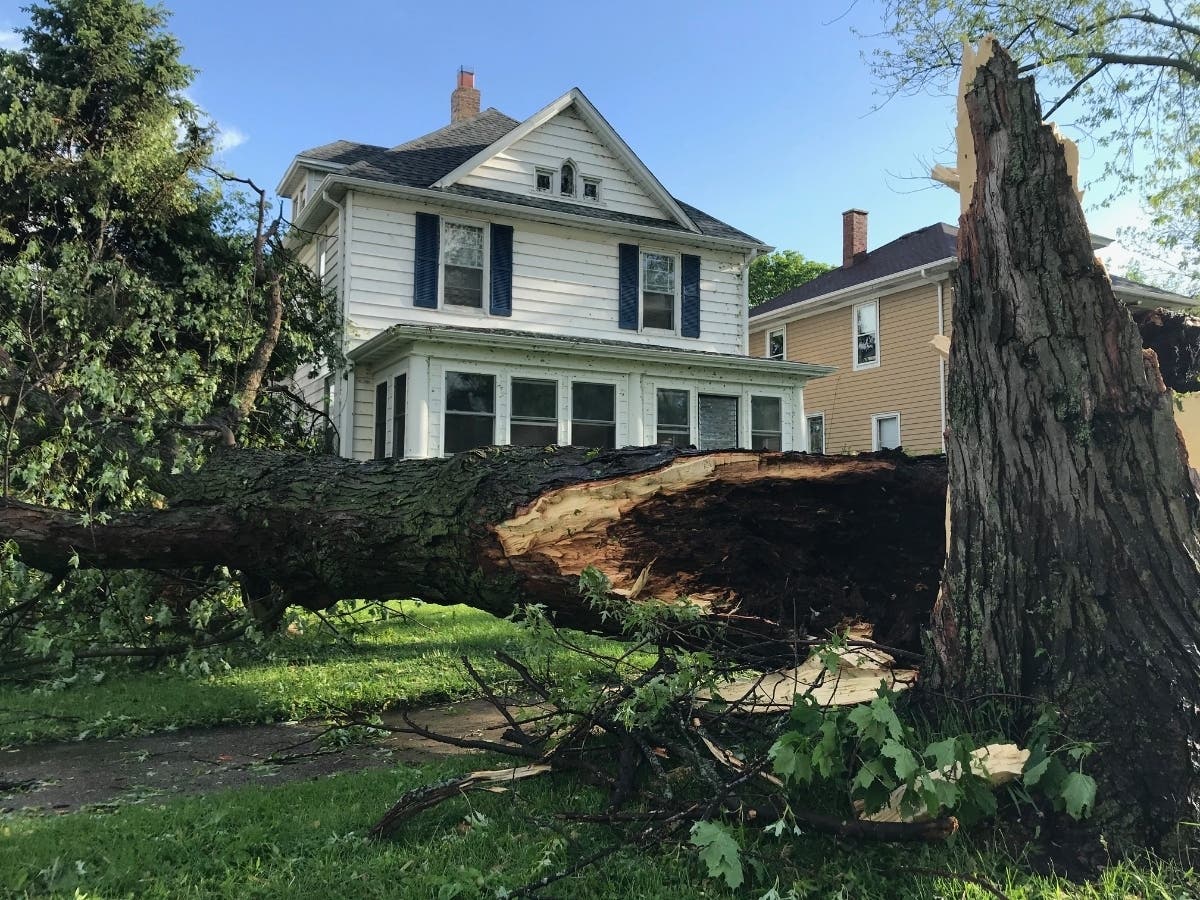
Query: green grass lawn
x,y
305,839
375,664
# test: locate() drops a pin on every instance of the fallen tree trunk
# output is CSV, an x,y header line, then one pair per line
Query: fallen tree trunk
x,y
1073,576
807,541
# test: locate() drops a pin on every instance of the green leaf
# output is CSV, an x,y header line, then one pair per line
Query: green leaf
x,y
906,764
943,753
719,851
1033,774
1079,793
791,757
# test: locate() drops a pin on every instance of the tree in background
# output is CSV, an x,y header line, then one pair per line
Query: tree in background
x,y
777,273
145,311
1130,72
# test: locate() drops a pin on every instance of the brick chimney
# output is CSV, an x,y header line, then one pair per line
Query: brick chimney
x,y
854,236
464,102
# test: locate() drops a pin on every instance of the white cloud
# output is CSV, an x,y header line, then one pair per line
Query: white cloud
x,y
10,40
229,137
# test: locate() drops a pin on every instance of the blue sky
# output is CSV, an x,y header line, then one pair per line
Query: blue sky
x,y
759,113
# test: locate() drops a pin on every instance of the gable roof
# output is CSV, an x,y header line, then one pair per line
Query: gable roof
x,y
428,162
926,246
575,99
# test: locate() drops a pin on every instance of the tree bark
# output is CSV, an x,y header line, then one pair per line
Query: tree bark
x,y
1072,575
806,541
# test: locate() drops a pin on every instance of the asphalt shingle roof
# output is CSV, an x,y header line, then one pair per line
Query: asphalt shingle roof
x,y
423,161
917,248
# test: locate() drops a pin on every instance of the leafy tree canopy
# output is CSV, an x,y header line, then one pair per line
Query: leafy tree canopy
x,y
1128,72
144,307
776,273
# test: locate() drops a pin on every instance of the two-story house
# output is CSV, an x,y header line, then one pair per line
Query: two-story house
x,y
874,319
531,282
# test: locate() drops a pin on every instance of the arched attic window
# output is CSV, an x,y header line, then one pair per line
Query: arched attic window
x,y
566,182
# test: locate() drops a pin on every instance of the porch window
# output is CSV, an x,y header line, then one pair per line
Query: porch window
x,y
381,400
328,402
470,411
399,402
462,266
674,425
766,423
885,431
593,415
718,421
534,413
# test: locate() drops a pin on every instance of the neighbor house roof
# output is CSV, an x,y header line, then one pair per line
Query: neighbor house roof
x,y
924,247
428,160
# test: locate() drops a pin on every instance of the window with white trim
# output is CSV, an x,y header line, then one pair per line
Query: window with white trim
x,y
816,433
885,431
593,415
775,344
462,264
544,180
660,288
381,410
399,408
674,424
717,421
866,335
534,417
470,411
566,179
766,423
591,189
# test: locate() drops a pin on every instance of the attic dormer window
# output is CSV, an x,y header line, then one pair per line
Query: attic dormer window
x,y
544,180
566,183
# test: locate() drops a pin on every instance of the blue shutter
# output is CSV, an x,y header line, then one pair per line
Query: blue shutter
x,y
425,272
689,316
627,286
502,250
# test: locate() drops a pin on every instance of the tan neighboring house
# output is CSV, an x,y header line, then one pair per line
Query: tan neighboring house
x,y
874,319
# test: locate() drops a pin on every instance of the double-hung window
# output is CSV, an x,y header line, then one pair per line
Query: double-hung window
x,y
462,264
775,344
866,335
674,425
766,423
534,419
660,286
593,415
470,411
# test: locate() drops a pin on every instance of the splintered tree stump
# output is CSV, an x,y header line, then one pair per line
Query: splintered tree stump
x,y
1073,574
806,541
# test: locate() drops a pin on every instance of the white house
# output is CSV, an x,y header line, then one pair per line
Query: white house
x,y
533,283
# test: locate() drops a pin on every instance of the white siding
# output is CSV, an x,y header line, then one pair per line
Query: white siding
x,y
566,136
635,381
564,282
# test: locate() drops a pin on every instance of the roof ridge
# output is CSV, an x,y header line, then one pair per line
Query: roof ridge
x,y
455,127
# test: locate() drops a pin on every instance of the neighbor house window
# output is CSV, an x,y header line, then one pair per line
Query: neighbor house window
x,y
775,344
816,433
470,411
866,335
593,415
462,258
658,291
674,424
534,413
381,392
718,417
885,431
566,180
591,189
766,423
399,402
544,180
